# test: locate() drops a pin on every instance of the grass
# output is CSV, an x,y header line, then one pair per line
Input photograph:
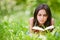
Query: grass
x,y
16,26
11,29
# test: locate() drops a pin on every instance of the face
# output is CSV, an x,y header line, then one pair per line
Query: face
x,y
42,16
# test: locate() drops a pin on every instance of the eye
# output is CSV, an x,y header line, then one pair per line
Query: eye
x,y
39,14
45,15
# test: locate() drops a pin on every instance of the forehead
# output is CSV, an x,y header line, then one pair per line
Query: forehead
x,y
42,11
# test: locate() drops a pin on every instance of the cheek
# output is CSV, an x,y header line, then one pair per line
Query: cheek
x,y
38,18
41,20
45,18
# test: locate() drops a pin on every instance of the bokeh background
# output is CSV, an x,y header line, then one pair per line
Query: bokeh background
x,y
15,14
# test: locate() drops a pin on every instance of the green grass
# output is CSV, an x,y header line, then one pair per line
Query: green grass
x,y
11,29
14,24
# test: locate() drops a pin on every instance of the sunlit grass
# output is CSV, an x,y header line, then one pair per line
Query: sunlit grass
x,y
12,29
14,24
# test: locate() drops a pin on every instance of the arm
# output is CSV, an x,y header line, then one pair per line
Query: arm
x,y
31,24
52,21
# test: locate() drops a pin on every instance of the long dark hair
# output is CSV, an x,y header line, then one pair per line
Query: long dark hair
x,y
47,9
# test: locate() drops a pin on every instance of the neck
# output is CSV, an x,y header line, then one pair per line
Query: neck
x,y
40,24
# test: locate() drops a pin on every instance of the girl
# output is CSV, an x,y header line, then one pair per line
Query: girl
x,y
42,16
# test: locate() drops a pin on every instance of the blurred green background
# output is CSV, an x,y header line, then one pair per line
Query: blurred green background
x,y
15,14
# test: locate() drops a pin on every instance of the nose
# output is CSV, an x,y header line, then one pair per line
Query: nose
x,y
42,17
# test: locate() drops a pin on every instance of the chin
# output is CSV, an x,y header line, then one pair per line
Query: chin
x,y
41,23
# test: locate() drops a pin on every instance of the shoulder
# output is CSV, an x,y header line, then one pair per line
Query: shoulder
x,y
31,19
52,21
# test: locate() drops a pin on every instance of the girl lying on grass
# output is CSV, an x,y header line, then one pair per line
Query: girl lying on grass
x,y
42,20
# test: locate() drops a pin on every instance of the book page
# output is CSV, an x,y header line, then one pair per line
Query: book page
x,y
38,28
41,29
50,27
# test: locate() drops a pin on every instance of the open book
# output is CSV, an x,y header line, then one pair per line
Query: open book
x,y
41,29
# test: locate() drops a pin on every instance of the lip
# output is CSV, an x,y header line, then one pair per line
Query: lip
x,y
42,21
